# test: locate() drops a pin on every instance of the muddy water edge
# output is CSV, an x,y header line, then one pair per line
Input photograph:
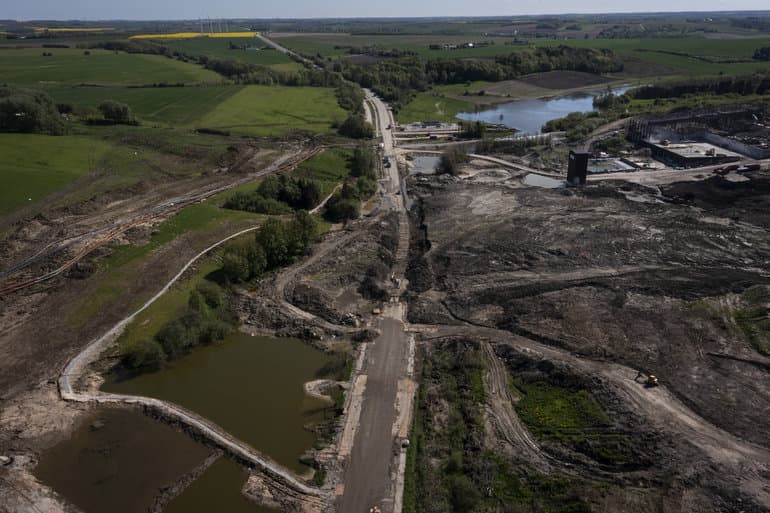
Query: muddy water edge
x,y
253,387
117,460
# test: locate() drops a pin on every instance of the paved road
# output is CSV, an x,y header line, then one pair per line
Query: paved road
x,y
373,460
368,479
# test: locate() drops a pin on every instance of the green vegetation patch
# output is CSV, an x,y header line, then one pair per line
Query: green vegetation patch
x,y
557,413
250,50
432,106
328,169
754,318
70,66
179,106
275,111
34,166
449,467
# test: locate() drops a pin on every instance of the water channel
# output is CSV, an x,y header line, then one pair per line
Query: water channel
x,y
251,386
529,116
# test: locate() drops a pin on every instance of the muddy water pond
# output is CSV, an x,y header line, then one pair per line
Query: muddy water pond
x,y
117,460
253,387
218,489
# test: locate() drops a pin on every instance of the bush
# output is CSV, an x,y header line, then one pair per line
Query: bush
x,y
147,355
356,127
278,195
28,111
116,112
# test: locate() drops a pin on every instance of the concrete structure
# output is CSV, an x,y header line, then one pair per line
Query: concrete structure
x,y
609,165
577,169
691,154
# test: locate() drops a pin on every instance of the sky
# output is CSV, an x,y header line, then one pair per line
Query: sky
x,y
193,9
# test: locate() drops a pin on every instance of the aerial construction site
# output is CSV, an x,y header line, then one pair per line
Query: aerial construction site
x,y
403,316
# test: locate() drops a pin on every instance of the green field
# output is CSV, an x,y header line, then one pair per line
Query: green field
x,y
721,51
34,166
70,66
180,106
219,48
325,44
272,111
328,169
252,110
432,106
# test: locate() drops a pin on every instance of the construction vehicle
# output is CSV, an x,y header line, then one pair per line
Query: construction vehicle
x,y
649,380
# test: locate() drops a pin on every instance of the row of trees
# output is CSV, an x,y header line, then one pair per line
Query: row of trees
x,y
397,80
208,317
745,85
344,204
277,243
278,195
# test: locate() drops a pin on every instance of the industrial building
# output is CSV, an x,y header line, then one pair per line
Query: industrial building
x,y
691,153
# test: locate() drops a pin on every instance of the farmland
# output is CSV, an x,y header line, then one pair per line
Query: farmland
x,y
43,164
180,106
72,66
220,48
271,111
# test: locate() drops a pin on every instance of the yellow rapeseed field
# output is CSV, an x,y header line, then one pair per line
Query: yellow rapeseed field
x,y
190,35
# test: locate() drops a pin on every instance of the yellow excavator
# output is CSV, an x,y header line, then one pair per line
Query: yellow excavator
x,y
648,380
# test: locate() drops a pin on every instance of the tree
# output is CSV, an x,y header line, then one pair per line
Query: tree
x,y
272,237
356,126
362,163
762,54
303,230
255,255
28,111
147,354
116,112
235,266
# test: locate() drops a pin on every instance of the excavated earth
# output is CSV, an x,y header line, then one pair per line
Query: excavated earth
x,y
652,283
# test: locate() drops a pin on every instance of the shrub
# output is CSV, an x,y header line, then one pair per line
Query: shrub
x,y
28,111
116,112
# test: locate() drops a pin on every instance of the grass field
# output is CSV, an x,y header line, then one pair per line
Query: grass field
x,y
328,169
219,48
70,66
252,110
272,111
34,166
432,106
181,106
325,44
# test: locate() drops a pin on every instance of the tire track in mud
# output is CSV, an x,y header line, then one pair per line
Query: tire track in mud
x,y
746,462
